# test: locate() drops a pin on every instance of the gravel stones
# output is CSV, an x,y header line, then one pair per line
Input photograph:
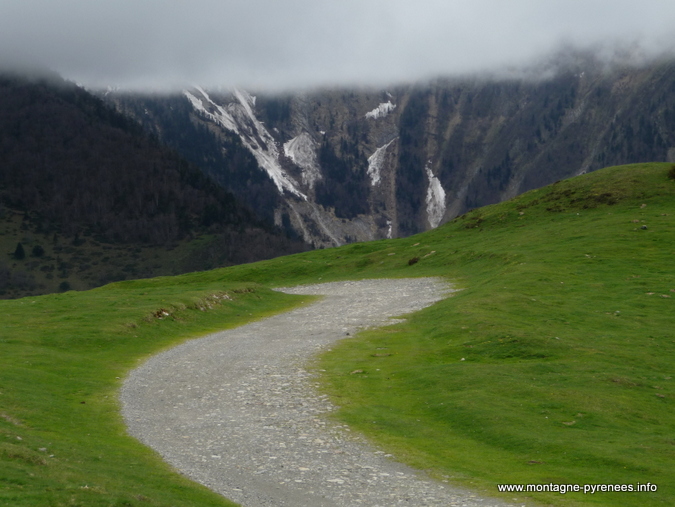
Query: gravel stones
x,y
237,412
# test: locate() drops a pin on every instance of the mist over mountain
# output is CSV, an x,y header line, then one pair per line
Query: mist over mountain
x,y
353,164
274,46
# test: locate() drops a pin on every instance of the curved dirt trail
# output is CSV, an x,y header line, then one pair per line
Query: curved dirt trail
x,y
237,412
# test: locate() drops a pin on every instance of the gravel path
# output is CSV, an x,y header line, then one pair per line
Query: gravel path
x,y
237,412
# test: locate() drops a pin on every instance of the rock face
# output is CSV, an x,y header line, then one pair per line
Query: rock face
x,y
342,165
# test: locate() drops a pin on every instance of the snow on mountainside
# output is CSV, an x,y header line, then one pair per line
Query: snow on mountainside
x,y
375,162
239,118
381,111
435,200
302,151
296,170
428,152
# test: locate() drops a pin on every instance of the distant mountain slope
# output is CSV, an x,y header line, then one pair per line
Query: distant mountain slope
x,y
74,171
344,165
220,155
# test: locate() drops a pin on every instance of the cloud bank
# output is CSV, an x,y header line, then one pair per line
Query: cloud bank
x,y
276,45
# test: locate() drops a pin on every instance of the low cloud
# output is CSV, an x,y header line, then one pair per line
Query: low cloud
x,y
264,44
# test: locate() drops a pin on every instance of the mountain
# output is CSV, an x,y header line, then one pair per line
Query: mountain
x,y
344,165
86,197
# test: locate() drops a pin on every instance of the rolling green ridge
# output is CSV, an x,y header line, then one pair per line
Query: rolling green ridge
x,y
554,362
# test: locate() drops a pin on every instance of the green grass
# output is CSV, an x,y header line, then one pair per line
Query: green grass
x,y
63,356
554,363
85,261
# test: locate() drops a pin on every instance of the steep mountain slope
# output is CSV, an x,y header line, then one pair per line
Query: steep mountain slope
x,y
344,165
78,179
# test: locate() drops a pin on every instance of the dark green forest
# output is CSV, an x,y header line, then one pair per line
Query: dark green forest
x,y
76,176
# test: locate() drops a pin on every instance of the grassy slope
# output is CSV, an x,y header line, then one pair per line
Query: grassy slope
x,y
60,367
556,361
84,264
555,325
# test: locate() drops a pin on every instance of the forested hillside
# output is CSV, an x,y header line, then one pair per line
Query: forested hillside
x,y
218,154
80,181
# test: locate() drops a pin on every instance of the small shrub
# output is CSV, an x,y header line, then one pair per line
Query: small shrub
x,y
671,172
38,251
474,222
19,253
64,286
414,260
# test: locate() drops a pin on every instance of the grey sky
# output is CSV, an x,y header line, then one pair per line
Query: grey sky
x,y
276,44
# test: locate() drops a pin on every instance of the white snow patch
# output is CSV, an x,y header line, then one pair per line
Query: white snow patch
x,y
375,162
435,200
220,116
246,100
390,225
302,151
239,118
196,103
381,111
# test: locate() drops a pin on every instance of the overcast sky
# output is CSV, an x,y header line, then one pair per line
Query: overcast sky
x,y
277,44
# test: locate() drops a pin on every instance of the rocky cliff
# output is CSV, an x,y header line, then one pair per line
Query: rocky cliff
x,y
358,164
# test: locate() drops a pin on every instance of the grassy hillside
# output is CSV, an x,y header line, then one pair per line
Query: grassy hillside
x,y
553,364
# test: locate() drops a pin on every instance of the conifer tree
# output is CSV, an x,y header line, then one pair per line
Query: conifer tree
x,y
19,253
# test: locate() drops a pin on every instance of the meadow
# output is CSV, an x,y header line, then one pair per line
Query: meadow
x,y
552,364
